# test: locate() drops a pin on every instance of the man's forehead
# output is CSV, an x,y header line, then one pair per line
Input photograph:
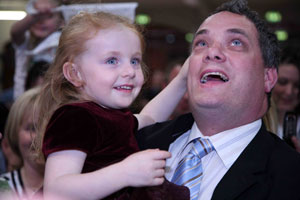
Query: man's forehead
x,y
227,20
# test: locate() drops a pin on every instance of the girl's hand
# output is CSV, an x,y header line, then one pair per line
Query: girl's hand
x,y
145,168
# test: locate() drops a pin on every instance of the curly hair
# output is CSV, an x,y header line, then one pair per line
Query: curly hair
x,y
267,39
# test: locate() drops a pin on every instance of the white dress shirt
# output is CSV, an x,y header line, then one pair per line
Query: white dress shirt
x,y
43,51
228,146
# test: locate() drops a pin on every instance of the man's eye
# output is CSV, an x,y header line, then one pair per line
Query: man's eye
x,y
201,43
112,61
135,61
236,43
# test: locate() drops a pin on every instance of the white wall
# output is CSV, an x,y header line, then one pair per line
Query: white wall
x,y
6,25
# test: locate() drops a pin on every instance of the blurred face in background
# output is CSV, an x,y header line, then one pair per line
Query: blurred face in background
x,y
286,90
47,23
26,135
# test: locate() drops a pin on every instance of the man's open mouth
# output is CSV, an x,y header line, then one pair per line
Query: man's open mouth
x,y
214,76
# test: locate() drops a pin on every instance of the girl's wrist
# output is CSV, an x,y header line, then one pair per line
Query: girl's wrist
x,y
121,175
182,78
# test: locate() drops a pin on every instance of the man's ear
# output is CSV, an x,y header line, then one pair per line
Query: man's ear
x,y
270,78
72,74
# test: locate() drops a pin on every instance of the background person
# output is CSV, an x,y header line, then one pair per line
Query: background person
x,y
3,117
35,38
286,91
25,181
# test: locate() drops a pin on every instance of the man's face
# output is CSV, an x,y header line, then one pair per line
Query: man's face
x,y
226,68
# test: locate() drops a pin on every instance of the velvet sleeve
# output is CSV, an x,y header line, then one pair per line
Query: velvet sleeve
x,y
70,128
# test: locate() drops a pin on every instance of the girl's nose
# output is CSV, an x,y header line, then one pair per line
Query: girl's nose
x,y
128,71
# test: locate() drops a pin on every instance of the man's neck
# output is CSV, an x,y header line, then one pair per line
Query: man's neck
x,y
214,122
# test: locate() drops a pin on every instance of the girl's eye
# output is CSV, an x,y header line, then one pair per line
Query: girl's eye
x,y
135,61
236,43
30,128
112,61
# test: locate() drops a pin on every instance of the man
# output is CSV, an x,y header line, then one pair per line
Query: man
x,y
232,71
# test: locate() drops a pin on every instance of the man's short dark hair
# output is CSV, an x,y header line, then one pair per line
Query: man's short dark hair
x,y
267,40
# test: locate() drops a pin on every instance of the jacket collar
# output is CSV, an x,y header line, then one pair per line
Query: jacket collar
x,y
247,169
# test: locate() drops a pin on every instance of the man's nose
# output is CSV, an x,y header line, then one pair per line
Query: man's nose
x,y
214,54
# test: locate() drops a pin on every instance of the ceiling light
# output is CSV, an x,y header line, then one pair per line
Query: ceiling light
x,y
142,19
12,15
282,35
189,37
273,16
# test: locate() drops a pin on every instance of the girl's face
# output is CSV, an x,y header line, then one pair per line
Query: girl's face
x,y
286,90
26,134
111,69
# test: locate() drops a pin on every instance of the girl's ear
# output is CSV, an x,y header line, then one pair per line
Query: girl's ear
x,y
72,74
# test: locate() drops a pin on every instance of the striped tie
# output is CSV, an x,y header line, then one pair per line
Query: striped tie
x,y
189,169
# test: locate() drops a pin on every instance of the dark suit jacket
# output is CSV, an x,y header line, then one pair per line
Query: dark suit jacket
x,y
266,169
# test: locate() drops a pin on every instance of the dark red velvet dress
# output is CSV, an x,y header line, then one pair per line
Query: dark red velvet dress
x,y
107,137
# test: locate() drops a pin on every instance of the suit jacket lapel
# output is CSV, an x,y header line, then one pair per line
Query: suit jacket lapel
x,y
248,168
161,135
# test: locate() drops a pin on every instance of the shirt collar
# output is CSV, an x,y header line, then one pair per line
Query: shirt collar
x,y
229,144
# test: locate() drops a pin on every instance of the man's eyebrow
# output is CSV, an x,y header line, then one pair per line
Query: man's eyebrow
x,y
238,31
201,32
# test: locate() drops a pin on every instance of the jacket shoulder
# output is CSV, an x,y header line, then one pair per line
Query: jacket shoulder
x,y
161,135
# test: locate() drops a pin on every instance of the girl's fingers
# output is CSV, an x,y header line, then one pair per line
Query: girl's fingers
x,y
159,173
159,164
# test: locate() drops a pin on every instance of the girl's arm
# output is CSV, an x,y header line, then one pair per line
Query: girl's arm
x,y
19,28
63,178
162,106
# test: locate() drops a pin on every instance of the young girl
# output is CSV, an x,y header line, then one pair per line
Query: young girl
x,y
88,142
27,179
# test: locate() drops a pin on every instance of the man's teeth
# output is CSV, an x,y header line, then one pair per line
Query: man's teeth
x,y
213,74
124,87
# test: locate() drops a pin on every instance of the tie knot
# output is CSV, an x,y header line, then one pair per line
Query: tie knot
x,y
201,147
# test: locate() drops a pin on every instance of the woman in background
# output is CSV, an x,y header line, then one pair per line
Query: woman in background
x,y
19,132
286,93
